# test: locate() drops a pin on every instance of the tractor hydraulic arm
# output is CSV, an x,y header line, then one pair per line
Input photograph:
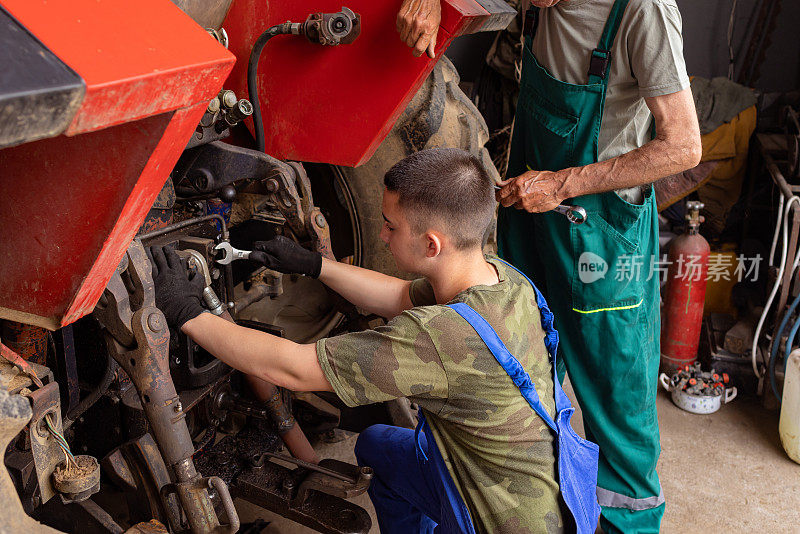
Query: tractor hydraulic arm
x,y
137,337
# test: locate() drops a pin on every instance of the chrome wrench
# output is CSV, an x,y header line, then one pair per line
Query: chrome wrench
x,y
230,253
574,214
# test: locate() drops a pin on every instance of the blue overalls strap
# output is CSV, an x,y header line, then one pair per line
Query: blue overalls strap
x,y
600,61
507,361
550,340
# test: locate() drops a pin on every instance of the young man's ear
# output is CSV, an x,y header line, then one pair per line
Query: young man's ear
x,y
433,244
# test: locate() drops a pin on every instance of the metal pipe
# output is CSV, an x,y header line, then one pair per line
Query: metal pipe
x,y
257,293
185,224
288,429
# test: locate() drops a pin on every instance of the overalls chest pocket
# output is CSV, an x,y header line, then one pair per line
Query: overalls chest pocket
x,y
548,133
611,271
546,123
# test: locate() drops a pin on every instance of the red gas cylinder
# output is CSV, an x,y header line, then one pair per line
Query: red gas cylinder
x,y
684,294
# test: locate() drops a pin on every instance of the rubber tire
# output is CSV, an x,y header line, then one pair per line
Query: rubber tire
x,y
439,115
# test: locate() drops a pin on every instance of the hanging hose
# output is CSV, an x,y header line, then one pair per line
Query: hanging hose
x,y
105,382
785,235
252,80
777,231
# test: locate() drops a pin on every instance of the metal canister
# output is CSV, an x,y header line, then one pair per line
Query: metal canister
x,y
684,294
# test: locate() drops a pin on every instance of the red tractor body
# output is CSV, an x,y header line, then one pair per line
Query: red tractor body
x,y
72,201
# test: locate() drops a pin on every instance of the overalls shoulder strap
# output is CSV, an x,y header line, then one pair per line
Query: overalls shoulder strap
x,y
507,361
600,62
550,339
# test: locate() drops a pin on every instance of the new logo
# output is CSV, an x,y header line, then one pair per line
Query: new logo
x,y
591,267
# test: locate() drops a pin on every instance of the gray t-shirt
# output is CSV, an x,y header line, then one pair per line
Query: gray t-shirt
x,y
646,60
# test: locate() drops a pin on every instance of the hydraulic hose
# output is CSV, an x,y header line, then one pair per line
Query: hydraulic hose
x,y
108,377
252,76
773,353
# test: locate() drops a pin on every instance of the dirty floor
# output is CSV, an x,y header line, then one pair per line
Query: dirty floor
x,y
724,472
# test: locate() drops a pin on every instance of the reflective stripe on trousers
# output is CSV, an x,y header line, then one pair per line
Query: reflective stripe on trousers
x,y
617,500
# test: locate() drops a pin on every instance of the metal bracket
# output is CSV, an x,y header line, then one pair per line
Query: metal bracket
x,y
46,453
127,310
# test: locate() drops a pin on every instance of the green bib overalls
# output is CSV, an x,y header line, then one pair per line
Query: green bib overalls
x,y
609,324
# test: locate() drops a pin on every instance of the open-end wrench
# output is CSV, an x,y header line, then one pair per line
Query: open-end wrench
x,y
574,214
231,254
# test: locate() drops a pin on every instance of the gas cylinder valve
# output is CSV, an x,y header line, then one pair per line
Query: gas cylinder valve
x,y
693,216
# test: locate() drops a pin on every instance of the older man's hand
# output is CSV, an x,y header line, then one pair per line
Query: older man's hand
x,y
533,191
418,23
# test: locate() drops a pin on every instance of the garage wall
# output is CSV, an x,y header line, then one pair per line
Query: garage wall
x,y
705,27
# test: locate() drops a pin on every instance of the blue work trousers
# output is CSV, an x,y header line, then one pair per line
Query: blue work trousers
x,y
410,495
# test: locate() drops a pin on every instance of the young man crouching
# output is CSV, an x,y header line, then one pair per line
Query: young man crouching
x,y
482,459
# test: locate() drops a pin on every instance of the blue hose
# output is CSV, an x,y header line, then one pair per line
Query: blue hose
x,y
776,343
786,351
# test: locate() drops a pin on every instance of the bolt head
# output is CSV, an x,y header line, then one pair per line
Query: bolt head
x,y
155,322
320,220
178,407
229,99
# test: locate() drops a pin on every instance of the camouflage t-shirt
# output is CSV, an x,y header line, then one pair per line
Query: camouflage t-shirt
x,y
500,454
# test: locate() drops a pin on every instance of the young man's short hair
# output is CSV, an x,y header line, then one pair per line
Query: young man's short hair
x,y
448,186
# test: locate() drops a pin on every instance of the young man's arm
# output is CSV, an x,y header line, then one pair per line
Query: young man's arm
x,y
276,360
377,293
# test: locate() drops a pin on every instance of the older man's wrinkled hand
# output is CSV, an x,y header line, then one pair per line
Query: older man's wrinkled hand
x,y
532,191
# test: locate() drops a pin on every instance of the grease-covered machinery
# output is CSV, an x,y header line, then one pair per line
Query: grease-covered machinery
x,y
125,125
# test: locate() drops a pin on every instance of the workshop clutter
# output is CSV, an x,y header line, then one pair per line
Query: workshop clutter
x,y
697,391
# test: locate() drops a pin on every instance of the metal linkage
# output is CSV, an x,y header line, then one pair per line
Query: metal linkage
x,y
211,167
138,338
310,494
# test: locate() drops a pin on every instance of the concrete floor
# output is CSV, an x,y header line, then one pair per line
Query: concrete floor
x,y
724,472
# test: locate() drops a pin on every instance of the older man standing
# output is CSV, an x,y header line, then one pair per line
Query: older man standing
x,y
604,110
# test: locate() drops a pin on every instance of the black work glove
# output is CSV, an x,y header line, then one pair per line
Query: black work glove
x,y
284,255
180,298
